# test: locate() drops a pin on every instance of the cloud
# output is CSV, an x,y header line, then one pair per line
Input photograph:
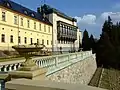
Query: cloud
x,y
114,15
86,19
94,23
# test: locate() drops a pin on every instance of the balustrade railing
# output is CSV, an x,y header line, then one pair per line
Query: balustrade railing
x,y
10,65
51,62
60,61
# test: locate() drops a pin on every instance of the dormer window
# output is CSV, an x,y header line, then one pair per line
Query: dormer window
x,y
8,4
25,12
32,15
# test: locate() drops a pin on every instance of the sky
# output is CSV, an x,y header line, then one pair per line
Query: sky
x,y
90,14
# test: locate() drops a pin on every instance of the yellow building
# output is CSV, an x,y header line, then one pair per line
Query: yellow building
x,y
21,26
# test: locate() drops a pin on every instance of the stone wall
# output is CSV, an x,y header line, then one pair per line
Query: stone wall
x,y
78,73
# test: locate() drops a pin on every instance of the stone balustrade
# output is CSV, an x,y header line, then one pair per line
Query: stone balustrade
x,y
10,65
52,63
57,62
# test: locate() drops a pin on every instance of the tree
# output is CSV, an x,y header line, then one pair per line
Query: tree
x,y
107,26
106,49
85,41
92,43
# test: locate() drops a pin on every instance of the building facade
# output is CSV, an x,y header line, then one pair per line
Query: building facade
x,y
22,26
66,34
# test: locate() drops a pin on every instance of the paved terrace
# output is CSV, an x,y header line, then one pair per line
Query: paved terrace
x,y
24,84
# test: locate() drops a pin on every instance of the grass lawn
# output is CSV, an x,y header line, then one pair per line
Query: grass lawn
x,y
110,79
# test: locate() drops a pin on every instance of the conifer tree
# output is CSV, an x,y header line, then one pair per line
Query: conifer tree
x,y
85,41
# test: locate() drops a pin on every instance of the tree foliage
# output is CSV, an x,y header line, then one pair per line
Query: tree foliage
x,y
85,41
109,43
107,48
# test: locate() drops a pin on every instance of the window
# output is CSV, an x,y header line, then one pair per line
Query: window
x,y
43,41
15,20
3,38
44,28
8,4
51,42
19,39
49,29
31,40
32,15
25,40
37,41
11,38
3,16
47,42
34,25
25,12
21,21
40,26
28,23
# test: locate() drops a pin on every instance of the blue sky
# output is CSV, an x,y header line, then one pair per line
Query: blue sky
x,y
90,14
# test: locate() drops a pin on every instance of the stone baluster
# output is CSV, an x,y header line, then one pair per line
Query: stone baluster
x,y
45,62
10,67
5,68
19,65
15,67
39,63
56,61
1,68
49,62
